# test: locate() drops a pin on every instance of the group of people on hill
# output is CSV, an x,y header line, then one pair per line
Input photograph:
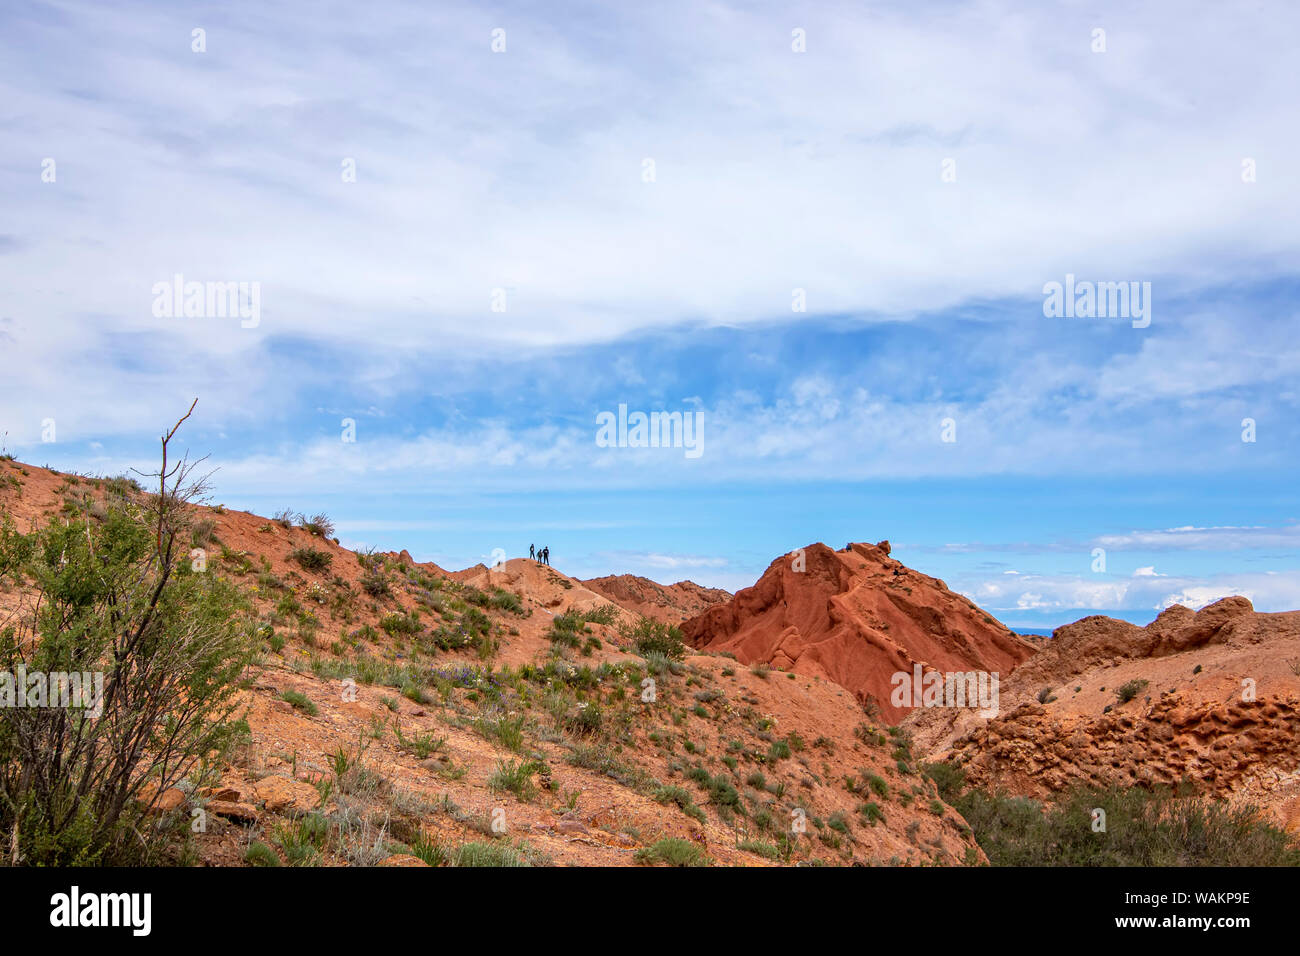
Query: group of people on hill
x,y
544,555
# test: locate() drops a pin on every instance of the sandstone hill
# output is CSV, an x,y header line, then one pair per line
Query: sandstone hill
x,y
855,617
670,603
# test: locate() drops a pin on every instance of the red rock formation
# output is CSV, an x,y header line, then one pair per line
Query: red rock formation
x,y
670,603
1210,697
855,617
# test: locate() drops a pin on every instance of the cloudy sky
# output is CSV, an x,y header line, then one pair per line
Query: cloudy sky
x,y
474,228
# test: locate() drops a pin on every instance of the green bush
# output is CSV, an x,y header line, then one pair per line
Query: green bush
x,y
310,559
765,850
949,778
678,795
1128,691
649,636
488,854
566,630
375,583
517,777
299,701
319,525
259,854
672,851
398,623
504,600
605,614
117,598
871,813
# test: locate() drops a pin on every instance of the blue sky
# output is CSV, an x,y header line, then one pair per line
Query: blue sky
x,y
520,177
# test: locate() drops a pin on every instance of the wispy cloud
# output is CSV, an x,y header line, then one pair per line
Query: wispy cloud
x,y
1204,539
1275,591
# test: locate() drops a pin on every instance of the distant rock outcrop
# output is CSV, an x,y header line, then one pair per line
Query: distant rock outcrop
x,y
669,603
855,617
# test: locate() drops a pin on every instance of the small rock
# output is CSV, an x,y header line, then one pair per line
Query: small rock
x,y
170,799
240,812
284,793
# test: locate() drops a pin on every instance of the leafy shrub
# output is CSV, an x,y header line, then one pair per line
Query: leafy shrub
x,y
878,784
488,854
672,851
566,630
517,777
504,600
398,623
679,796
949,778
375,583
605,614
118,598
430,851
1128,691
586,721
319,525
309,559
300,701
649,636
871,813
766,850
779,750
259,854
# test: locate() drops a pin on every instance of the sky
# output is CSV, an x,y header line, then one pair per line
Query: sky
x,y
826,234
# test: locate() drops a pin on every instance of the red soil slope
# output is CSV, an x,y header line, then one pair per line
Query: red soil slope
x,y
855,617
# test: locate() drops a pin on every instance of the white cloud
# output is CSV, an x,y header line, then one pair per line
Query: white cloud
x,y
1191,538
775,171
1268,591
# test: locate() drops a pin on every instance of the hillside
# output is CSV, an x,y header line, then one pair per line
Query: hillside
x,y
402,713
855,617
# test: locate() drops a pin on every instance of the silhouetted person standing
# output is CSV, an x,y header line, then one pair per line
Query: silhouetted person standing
x,y
546,556
532,553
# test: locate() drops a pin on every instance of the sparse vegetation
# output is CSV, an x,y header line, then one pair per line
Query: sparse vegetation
x,y
672,851
649,636
1143,827
1129,690
299,701
310,559
319,525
